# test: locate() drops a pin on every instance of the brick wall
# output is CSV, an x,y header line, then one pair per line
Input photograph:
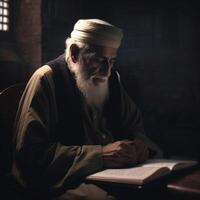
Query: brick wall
x,y
28,32
20,49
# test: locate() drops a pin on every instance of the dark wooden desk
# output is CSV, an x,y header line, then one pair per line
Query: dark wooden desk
x,y
155,190
186,186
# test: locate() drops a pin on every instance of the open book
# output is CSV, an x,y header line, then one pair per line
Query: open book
x,y
152,169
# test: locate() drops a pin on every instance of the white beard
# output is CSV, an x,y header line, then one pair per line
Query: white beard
x,y
95,94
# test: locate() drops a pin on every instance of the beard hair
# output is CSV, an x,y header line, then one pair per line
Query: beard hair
x,y
95,94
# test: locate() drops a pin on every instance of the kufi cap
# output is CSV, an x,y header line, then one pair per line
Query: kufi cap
x,y
98,32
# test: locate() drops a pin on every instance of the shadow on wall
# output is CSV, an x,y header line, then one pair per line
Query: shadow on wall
x,y
171,119
11,73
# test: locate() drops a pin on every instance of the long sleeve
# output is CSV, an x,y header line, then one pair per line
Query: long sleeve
x,y
39,158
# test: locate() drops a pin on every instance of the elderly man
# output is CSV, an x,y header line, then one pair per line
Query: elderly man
x,y
75,118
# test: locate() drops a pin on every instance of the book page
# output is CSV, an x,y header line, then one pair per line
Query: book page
x,y
171,164
137,175
150,170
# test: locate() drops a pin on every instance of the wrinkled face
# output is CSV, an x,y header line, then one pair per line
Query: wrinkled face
x,y
96,65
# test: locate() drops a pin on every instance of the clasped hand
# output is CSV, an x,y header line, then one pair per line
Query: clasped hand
x,y
124,153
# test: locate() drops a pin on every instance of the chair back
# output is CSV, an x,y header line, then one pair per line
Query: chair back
x,y
9,100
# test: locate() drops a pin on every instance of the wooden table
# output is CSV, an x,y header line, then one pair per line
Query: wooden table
x,y
186,186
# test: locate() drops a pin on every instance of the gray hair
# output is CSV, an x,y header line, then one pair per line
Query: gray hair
x,y
69,41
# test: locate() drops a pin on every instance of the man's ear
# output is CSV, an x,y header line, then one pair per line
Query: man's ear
x,y
74,52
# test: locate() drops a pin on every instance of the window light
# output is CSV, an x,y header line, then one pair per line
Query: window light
x,y
4,15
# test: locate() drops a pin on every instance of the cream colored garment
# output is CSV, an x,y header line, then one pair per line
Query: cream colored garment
x,y
96,31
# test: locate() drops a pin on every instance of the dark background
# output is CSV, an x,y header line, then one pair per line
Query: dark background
x,y
158,60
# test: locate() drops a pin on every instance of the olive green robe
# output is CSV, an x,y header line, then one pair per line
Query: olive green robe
x,y
45,162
